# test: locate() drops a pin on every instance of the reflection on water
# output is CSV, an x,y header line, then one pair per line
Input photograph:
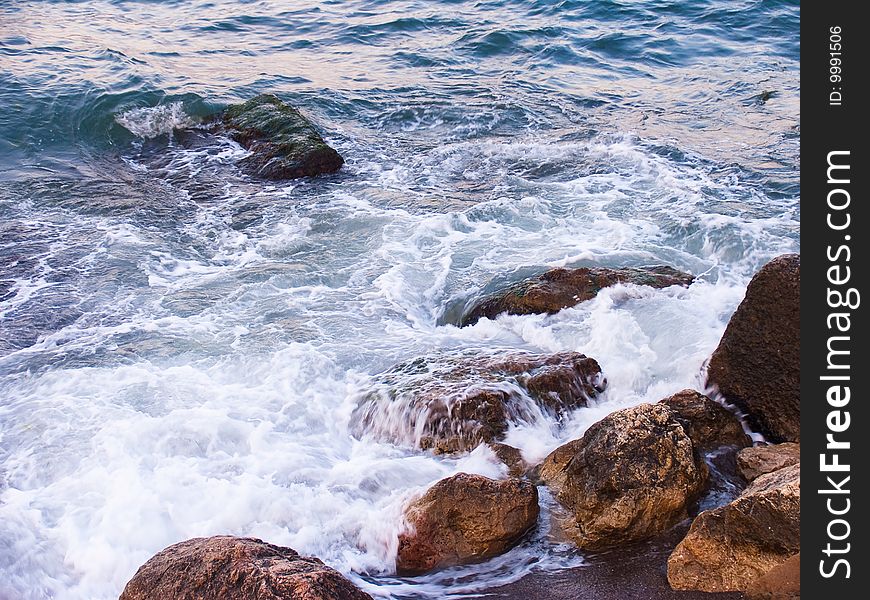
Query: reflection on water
x,y
694,74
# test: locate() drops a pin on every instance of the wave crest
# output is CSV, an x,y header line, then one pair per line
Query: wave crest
x,y
154,121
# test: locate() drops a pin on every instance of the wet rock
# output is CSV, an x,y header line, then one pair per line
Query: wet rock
x,y
708,424
729,547
759,460
227,568
783,582
632,475
511,457
552,472
464,519
453,403
283,143
560,288
757,363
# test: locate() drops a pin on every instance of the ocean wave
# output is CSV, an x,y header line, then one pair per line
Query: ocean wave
x,y
182,345
150,122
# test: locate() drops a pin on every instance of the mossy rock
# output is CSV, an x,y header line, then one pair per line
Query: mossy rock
x,y
283,143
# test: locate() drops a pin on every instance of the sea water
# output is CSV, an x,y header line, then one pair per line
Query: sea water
x,y
182,346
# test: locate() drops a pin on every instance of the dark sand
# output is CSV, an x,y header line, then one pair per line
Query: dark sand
x,y
636,573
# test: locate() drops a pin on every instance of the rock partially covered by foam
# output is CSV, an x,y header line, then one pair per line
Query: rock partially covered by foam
x,y
512,458
228,568
463,519
560,288
283,143
453,403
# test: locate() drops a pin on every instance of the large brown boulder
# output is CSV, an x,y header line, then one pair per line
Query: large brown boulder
x,y
708,424
783,582
560,288
453,403
759,460
231,568
757,363
631,476
463,519
729,547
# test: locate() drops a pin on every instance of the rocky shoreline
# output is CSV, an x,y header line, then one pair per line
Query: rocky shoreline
x,y
626,489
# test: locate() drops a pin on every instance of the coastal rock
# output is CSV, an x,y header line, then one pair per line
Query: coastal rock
x,y
757,363
729,547
783,582
759,460
227,568
283,143
511,457
453,403
463,519
631,477
708,424
551,472
560,288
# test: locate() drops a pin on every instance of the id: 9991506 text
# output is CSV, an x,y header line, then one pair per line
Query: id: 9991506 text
x,y
835,65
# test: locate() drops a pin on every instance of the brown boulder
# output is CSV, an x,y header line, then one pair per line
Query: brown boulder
x,y
759,460
708,424
783,582
229,568
560,288
631,477
463,519
453,403
757,363
729,547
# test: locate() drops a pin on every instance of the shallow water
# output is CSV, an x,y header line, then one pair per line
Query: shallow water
x,y
181,347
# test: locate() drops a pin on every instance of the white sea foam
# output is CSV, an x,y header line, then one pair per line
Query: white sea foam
x,y
153,121
214,395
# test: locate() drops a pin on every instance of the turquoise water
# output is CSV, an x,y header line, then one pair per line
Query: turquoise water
x,y
181,347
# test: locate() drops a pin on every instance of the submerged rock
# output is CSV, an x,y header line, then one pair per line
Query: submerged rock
x,y
757,363
228,568
463,519
283,143
453,403
730,547
708,424
560,288
764,96
759,460
631,476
